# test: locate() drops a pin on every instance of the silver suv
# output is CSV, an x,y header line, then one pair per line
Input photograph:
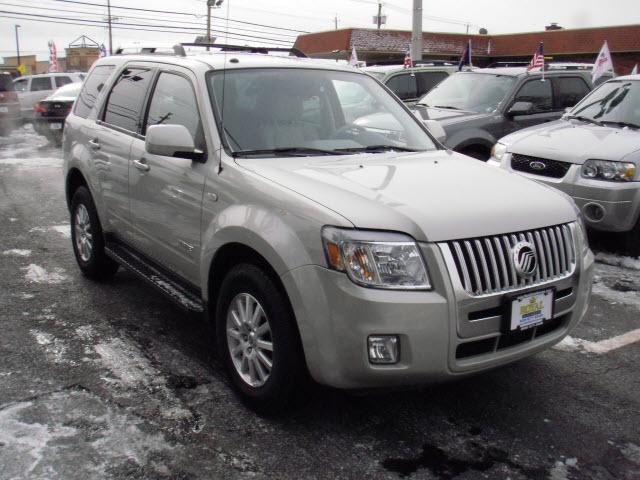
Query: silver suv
x,y
363,254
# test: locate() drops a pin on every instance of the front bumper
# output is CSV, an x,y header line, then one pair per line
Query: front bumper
x,y
335,318
606,206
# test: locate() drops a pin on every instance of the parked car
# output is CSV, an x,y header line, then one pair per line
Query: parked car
x,y
409,84
50,113
9,105
33,88
363,257
478,107
592,154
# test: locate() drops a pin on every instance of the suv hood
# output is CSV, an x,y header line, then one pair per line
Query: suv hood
x,y
574,141
433,196
447,116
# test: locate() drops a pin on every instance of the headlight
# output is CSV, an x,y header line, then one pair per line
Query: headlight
x,y
376,259
498,151
607,170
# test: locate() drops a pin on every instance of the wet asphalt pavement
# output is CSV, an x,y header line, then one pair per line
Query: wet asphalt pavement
x,y
112,381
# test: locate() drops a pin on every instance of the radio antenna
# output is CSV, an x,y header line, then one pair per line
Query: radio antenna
x,y
224,82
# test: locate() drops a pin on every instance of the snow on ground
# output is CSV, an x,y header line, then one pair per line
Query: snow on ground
x,y
17,252
64,230
37,274
618,261
54,348
617,279
24,148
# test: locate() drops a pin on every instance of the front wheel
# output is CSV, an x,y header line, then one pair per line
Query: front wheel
x,y
87,237
257,339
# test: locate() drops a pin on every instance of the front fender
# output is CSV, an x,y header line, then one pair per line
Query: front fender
x,y
470,136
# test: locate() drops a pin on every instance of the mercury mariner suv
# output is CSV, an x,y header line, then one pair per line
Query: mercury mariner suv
x,y
361,256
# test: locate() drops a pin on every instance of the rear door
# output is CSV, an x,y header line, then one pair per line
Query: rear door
x,y
568,91
166,192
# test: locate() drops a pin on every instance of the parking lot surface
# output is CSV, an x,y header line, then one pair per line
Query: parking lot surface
x,y
112,381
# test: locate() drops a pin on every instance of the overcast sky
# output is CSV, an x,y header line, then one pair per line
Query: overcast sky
x,y
498,16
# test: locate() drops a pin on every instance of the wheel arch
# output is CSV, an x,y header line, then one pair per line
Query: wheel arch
x,y
74,180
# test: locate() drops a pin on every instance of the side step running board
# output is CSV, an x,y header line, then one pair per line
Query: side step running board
x,y
185,297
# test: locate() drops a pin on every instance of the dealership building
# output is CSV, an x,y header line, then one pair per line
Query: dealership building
x,y
560,45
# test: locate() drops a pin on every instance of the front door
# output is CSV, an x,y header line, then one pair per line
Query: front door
x,y
540,93
166,192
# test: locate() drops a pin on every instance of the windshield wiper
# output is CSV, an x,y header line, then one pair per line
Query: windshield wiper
x,y
584,119
377,148
287,151
620,124
447,107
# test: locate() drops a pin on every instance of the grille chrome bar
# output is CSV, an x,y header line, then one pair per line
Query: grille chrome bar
x,y
486,266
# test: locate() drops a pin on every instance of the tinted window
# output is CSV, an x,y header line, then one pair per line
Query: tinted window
x,y
6,84
126,98
428,80
91,89
39,84
21,84
62,81
174,103
538,93
569,91
404,86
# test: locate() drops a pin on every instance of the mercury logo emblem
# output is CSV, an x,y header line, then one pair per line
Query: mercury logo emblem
x,y
525,259
536,165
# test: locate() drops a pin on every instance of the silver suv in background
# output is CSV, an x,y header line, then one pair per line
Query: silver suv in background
x,y
592,154
33,88
363,255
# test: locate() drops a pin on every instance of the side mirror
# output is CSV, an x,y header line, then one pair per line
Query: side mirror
x,y
171,141
436,130
520,108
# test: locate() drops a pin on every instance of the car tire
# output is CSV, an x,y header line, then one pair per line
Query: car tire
x,y
477,153
87,238
256,335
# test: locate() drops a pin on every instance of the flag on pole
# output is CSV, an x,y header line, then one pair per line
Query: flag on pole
x,y
353,60
102,51
53,57
635,70
538,59
604,63
408,63
466,56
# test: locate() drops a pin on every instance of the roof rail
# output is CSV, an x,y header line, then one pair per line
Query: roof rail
x,y
179,49
145,51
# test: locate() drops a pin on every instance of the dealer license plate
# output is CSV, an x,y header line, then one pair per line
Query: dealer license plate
x,y
55,126
531,309
4,110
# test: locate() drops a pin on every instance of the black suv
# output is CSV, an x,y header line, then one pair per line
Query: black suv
x,y
9,105
478,107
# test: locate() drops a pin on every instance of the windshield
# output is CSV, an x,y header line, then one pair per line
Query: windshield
x,y
614,102
307,112
473,92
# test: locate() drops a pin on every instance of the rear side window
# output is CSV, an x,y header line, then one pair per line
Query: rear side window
x,y
6,83
62,81
21,84
124,105
569,91
91,88
38,84
538,93
174,103
428,80
404,86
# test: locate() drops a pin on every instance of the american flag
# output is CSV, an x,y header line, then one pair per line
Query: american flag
x,y
407,58
538,58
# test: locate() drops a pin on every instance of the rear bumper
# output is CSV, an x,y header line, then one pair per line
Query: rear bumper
x,y
49,125
335,318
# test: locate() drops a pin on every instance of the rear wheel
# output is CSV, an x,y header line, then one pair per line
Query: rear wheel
x,y
87,237
257,339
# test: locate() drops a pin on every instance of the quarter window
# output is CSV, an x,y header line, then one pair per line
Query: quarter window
x,y
174,103
404,86
61,81
569,91
125,101
91,89
38,84
538,93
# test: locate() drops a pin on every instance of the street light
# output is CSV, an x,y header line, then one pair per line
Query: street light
x,y
16,27
211,4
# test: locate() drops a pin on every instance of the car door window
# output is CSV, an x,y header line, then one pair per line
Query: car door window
x,y
569,91
538,93
39,84
174,103
91,88
21,85
62,81
428,80
404,86
126,98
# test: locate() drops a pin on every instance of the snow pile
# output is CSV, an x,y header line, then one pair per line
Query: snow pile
x,y
55,349
37,274
618,261
64,230
571,344
17,252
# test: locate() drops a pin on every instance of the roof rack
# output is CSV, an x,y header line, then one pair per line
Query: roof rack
x,y
179,49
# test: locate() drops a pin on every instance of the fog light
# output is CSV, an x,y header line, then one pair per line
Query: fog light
x,y
383,349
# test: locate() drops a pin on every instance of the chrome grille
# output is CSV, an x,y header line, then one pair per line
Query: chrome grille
x,y
485,265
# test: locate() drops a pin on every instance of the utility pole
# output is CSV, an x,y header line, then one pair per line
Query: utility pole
x,y
379,15
416,32
336,21
16,27
209,3
109,22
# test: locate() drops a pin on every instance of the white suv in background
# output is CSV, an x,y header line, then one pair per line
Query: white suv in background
x,y
33,88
